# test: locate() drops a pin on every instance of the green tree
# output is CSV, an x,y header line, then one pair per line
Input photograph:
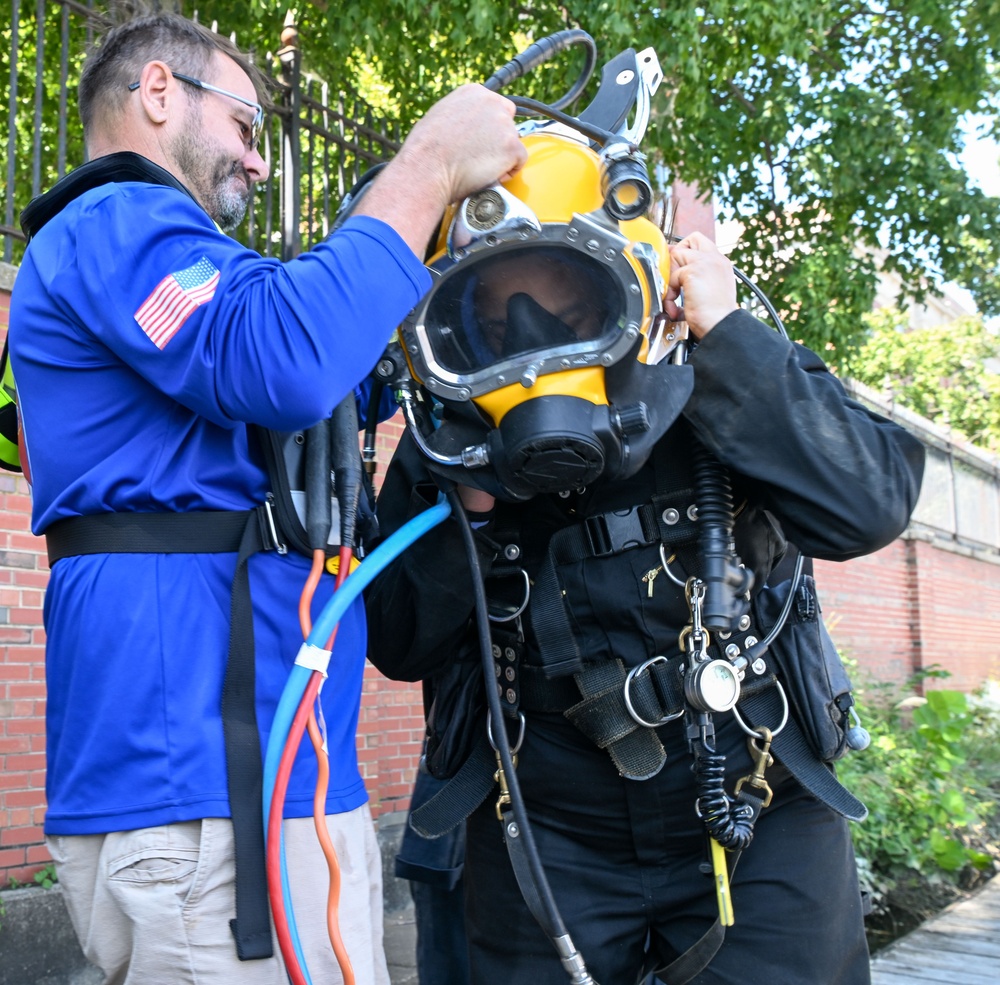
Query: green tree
x,y
828,128
947,374
822,125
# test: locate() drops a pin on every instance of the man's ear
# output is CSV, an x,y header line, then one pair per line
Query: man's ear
x,y
156,88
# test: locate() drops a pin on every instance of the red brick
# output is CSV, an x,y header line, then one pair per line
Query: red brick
x,y
27,762
26,726
26,617
10,858
38,855
21,836
29,689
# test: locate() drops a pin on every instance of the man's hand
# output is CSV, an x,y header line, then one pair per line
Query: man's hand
x,y
706,278
465,141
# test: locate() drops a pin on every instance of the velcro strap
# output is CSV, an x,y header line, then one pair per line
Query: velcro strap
x,y
604,718
460,796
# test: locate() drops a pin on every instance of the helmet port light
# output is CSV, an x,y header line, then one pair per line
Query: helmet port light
x,y
625,183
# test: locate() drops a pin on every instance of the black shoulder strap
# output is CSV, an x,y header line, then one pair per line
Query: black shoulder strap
x,y
122,166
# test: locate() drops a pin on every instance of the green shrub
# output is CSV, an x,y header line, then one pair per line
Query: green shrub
x,y
929,781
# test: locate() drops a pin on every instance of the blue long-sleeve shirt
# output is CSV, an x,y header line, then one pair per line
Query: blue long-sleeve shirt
x,y
143,340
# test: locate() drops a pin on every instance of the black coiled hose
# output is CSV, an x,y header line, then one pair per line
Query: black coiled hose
x,y
726,821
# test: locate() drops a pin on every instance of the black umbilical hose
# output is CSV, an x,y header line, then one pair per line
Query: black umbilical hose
x,y
347,470
542,51
317,485
544,908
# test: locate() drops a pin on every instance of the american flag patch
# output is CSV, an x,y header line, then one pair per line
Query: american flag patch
x,y
175,299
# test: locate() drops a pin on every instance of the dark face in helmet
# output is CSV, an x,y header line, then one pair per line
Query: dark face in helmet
x,y
518,304
527,302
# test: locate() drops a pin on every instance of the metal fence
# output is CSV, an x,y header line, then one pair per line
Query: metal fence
x,y
317,140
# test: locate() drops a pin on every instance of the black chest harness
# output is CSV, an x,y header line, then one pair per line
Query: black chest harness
x,y
620,707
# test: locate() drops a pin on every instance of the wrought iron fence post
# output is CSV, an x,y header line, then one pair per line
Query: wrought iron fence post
x,y
290,160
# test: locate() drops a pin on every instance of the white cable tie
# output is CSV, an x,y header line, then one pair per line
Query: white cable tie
x,y
313,657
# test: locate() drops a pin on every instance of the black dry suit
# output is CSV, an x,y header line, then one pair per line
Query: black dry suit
x,y
614,805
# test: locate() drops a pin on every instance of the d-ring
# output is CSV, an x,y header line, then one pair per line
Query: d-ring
x,y
508,617
754,733
489,732
636,717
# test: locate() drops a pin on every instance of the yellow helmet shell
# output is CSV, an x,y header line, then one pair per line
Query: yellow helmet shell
x,y
560,190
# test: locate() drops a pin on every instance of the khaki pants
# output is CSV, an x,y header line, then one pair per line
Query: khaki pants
x,y
152,906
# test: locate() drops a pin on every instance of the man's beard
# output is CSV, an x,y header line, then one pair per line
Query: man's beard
x,y
213,182
228,200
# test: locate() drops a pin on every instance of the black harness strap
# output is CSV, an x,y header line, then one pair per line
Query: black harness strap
x,y
460,796
243,532
792,749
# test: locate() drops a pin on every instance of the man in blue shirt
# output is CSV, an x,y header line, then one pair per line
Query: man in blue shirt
x,y
144,341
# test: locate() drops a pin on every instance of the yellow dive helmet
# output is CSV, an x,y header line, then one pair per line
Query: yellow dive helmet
x,y
543,336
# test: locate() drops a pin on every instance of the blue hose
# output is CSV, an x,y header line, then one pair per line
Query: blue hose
x,y
298,678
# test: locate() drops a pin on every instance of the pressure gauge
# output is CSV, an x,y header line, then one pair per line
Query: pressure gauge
x,y
712,686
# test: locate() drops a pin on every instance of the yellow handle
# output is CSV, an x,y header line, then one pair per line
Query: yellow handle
x,y
720,873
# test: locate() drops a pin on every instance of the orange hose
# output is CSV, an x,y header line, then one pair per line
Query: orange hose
x,y
333,864
309,590
323,763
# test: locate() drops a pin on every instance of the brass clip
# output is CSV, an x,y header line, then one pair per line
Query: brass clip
x,y
500,777
762,759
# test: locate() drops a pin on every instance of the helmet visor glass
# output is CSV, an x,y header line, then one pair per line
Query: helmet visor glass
x,y
513,306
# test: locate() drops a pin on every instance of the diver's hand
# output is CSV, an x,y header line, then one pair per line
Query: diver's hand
x,y
466,141
475,500
706,278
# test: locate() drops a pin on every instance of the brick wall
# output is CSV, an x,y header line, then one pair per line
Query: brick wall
x,y
23,576
868,605
913,604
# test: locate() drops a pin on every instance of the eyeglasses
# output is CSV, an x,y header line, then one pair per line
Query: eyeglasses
x,y
258,118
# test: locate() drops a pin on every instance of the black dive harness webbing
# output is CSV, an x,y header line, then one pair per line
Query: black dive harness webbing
x,y
243,532
620,712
